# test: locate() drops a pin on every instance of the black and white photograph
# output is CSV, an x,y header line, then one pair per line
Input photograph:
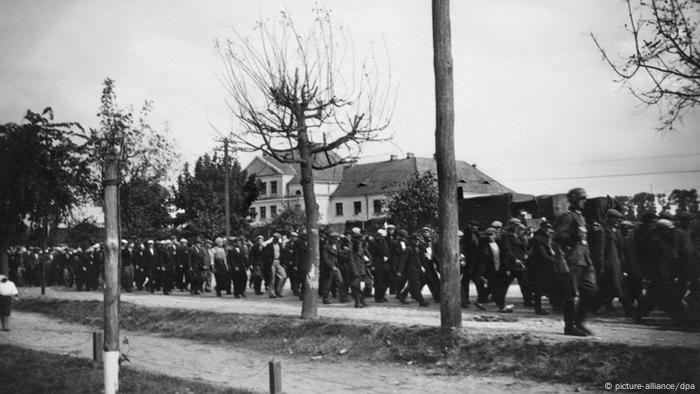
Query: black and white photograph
x,y
326,196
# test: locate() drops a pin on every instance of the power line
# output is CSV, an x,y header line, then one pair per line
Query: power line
x,y
643,157
603,176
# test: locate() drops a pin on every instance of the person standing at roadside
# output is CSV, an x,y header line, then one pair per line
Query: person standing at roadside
x,y
8,291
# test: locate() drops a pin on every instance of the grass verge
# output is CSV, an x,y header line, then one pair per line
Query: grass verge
x,y
31,371
455,352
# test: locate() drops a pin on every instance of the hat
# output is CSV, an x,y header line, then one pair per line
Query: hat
x,y
356,231
198,240
520,226
664,223
381,232
124,241
293,234
208,241
426,229
474,223
496,224
334,234
614,213
403,233
649,216
626,224
183,240
491,230
388,226
576,194
150,241
514,221
277,235
666,215
259,237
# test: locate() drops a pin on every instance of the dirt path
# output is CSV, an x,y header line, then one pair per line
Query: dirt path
x,y
612,329
226,365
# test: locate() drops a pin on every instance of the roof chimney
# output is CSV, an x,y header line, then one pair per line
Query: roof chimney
x,y
393,157
410,155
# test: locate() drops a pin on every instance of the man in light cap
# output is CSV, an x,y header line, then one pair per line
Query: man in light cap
x,y
571,240
182,265
380,253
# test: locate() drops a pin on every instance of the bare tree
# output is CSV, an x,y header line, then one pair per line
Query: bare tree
x,y
664,58
303,98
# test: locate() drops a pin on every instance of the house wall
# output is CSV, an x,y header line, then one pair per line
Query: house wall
x,y
366,205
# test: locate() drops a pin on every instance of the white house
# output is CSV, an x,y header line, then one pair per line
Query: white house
x,y
353,193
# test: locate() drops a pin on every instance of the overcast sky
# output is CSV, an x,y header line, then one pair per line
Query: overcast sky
x,y
535,105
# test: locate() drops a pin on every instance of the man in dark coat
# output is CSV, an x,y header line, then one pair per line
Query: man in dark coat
x,y
149,263
182,265
415,269
128,261
472,271
515,254
571,239
399,255
542,265
498,274
380,253
238,265
199,266
611,272
329,272
257,260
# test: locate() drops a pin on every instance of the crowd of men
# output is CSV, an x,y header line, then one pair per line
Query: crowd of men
x,y
580,265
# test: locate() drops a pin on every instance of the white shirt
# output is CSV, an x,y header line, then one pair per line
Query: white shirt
x,y
8,289
496,252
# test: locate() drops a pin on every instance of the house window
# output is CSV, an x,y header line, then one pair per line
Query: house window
x,y
377,207
252,212
273,211
263,213
339,209
358,207
263,188
273,187
460,193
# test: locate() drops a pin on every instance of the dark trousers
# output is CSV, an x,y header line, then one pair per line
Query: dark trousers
x,y
524,285
256,281
181,278
328,277
580,293
433,282
382,280
400,279
222,280
239,277
499,284
127,278
415,286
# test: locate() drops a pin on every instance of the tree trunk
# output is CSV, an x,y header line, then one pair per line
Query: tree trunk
x,y
309,307
450,293
4,263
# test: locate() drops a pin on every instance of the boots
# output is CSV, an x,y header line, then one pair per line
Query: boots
x,y
582,305
359,300
569,319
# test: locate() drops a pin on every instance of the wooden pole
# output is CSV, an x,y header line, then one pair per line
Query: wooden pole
x,y
227,204
275,377
111,274
450,293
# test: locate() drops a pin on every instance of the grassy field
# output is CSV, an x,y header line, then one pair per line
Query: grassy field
x,y
456,352
30,371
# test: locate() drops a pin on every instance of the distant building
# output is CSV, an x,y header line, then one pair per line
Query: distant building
x,y
352,193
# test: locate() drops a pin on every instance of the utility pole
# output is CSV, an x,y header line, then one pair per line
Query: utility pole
x,y
111,273
450,289
227,204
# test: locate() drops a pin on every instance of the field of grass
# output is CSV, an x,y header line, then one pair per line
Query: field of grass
x,y
454,352
30,371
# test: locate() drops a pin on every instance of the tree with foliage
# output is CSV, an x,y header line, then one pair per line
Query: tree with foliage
x,y
144,208
684,200
300,100
644,203
146,157
84,233
415,204
199,196
665,56
288,219
44,174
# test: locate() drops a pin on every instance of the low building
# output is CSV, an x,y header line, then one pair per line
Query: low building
x,y
353,193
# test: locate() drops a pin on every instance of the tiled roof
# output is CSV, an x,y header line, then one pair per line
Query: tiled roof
x,y
333,174
387,176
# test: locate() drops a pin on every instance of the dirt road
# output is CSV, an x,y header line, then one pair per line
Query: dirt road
x,y
223,364
610,329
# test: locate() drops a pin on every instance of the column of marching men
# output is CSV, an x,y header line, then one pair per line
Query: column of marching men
x,y
580,267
